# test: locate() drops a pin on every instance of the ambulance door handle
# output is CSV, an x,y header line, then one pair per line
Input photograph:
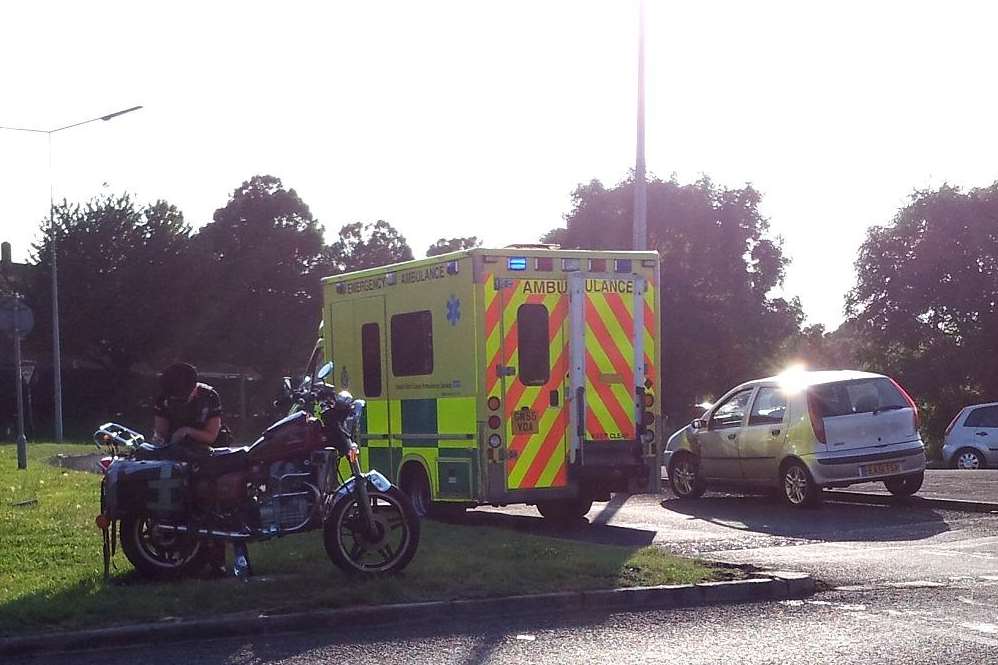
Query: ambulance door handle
x,y
554,398
580,410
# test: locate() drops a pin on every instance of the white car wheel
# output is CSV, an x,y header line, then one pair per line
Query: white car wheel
x,y
969,459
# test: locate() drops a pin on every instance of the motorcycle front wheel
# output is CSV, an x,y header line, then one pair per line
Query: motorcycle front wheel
x,y
158,554
388,549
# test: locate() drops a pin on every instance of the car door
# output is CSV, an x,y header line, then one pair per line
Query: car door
x,y
980,429
761,440
719,439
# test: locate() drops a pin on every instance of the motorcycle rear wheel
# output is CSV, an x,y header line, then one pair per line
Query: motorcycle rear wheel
x,y
389,550
159,555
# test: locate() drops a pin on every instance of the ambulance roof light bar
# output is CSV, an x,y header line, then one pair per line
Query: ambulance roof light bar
x,y
516,263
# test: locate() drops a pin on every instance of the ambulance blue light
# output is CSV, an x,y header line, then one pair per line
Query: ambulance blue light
x,y
517,263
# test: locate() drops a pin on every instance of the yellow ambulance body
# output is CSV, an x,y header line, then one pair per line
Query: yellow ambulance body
x,y
498,376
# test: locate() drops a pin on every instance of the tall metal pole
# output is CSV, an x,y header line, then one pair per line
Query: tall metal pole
x,y
640,226
22,441
56,345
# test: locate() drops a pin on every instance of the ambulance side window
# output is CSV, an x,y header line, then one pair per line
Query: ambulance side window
x,y
370,352
533,346
412,343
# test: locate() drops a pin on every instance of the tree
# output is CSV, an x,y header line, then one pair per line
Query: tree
x,y
814,348
926,299
258,303
114,258
368,245
445,245
719,323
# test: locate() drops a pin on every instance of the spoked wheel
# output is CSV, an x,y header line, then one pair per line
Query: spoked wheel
x,y
799,489
159,554
388,549
684,477
968,458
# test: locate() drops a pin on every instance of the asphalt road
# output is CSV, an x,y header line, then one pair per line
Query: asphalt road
x,y
918,625
906,583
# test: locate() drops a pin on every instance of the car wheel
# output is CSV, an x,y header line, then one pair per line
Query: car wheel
x,y
905,485
684,477
798,487
968,458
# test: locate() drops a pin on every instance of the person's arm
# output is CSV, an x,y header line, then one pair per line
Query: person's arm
x,y
159,429
208,433
160,423
205,435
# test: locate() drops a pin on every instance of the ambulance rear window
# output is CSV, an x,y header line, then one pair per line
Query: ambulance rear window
x,y
370,351
533,346
412,343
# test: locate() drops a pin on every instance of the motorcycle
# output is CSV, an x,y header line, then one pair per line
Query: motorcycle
x,y
164,504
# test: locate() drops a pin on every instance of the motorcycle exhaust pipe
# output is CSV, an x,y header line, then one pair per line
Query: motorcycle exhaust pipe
x,y
207,533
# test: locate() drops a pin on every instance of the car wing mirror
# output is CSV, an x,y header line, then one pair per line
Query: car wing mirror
x,y
698,424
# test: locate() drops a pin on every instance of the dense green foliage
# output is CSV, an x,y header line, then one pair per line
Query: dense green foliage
x,y
925,306
445,245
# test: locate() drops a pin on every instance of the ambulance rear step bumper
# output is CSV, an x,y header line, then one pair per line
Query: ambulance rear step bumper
x,y
611,466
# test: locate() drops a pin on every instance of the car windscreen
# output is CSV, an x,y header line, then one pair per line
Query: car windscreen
x,y
858,396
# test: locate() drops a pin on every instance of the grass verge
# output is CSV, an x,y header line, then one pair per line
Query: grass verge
x,y
51,566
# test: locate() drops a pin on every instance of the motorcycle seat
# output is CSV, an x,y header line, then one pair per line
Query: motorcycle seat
x,y
223,460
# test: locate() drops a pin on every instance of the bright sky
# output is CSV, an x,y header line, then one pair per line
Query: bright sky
x,y
479,118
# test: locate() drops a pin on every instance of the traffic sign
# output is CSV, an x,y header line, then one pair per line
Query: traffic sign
x,y
15,316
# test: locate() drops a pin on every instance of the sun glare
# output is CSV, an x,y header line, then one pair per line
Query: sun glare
x,y
793,379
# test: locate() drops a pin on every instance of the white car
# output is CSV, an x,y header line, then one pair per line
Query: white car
x,y
972,438
800,432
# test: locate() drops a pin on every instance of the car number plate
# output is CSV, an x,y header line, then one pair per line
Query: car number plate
x,y
880,469
525,421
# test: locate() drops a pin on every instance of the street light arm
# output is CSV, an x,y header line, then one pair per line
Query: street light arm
x,y
103,117
109,116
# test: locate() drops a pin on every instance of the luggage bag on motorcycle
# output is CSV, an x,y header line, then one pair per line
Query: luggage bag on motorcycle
x,y
158,488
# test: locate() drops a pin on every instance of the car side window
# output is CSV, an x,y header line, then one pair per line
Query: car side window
x,y
986,416
732,412
769,407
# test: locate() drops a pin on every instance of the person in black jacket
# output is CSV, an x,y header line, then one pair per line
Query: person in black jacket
x,y
189,414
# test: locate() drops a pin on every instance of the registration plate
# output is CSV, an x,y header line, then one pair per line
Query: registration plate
x,y
879,469
525,421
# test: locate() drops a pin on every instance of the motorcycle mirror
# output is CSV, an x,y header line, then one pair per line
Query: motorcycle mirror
x,y
325,371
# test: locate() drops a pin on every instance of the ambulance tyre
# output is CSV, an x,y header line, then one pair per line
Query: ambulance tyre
x,y
157,554
415,483
565,511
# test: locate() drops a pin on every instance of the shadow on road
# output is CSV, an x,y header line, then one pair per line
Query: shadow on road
x,y
831,521
582,530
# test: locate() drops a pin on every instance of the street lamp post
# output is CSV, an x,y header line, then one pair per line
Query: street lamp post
x,y
640,224
56,345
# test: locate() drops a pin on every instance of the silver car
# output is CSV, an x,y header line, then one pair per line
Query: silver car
x,y
972,438
800,432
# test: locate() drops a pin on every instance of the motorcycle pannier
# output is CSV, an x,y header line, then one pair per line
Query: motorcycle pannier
x,y
157,488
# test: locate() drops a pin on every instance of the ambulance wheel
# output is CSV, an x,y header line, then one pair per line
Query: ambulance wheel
x,y
415,483
158,554
565,510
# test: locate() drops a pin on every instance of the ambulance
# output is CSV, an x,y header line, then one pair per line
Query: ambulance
x,y
523,375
